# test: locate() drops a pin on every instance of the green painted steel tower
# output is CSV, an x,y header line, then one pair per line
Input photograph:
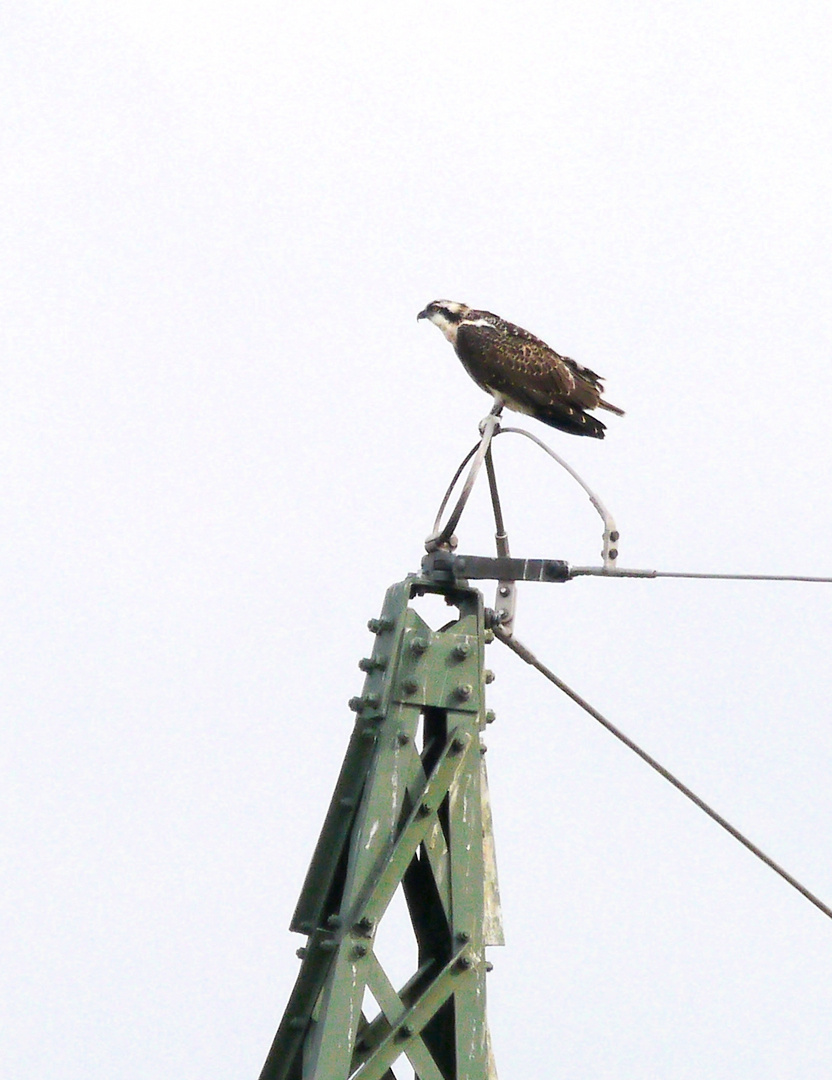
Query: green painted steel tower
x,y
410,810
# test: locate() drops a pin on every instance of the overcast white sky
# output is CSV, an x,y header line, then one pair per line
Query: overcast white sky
x,y
224,435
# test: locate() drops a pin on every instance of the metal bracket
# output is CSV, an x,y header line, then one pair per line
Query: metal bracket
x,y
440,568
446,567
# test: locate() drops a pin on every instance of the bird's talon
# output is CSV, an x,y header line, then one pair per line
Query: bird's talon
x,y
484,421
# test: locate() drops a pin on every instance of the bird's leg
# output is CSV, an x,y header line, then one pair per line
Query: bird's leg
x,y
496,410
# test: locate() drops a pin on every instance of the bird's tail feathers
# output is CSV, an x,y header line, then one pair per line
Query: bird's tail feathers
x,y
611,408
573,421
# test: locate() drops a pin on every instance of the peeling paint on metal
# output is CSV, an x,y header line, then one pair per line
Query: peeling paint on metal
x,y
373,830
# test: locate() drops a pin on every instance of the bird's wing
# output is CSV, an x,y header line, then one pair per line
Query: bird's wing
x,y
509,359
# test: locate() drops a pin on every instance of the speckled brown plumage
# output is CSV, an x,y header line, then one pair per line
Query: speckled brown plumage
x,y
520,370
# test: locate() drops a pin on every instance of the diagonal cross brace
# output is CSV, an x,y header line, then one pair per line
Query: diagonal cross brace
x,y
459,968
393,1008
379,890
324,945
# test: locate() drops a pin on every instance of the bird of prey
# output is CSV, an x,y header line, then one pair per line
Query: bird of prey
x,y
521,371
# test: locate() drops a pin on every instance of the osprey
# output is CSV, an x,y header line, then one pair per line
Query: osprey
x,y
521,371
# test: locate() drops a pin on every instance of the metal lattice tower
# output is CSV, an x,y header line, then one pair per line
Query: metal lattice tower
x,y
410,809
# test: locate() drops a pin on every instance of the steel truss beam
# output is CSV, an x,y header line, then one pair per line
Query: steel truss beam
x,y
410,809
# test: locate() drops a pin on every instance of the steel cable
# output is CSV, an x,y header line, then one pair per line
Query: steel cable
x,y
530,658
620,572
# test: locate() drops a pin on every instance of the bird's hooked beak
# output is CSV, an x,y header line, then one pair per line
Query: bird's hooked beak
x,y
422,315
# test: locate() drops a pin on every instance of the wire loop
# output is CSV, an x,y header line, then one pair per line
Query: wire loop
x,y
443,536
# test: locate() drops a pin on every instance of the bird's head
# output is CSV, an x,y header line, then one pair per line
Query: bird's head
x,y
447,315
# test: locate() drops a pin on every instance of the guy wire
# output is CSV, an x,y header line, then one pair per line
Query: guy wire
x,y
530,658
